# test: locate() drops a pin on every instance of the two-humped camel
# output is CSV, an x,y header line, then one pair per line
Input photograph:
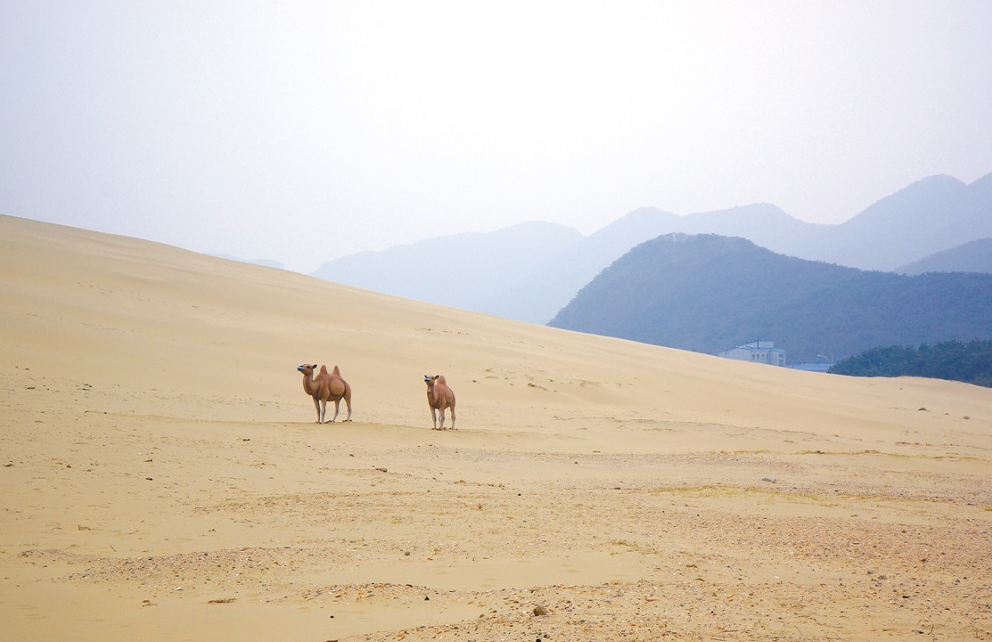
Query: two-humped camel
x,y
439,397
326,386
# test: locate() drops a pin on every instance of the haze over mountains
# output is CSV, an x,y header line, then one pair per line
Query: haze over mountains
x,y
975,256
529,272
482,272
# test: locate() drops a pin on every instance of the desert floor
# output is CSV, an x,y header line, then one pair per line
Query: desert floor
x,y
163,477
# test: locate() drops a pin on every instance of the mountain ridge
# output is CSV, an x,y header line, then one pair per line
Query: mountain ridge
x,y
931,215
471,270
974,256
708,293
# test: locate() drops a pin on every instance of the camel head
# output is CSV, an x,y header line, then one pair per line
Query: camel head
x,y
307,369
429,380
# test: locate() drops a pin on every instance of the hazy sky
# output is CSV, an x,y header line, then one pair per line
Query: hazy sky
x,y
301,132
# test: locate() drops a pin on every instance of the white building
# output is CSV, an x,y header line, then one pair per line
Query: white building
x,y
757,352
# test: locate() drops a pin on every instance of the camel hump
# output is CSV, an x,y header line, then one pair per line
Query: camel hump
x,y
336,371
323,369
440,380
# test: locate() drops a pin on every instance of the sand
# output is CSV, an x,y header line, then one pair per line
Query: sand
x,y
163,477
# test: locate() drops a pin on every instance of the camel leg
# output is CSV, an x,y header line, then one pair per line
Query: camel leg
x,y
434,417
442,418
452,417
337,405
347,400
316,405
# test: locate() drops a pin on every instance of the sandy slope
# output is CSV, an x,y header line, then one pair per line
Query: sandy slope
x,y
162,477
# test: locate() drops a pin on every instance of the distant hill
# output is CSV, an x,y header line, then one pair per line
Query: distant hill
x,y
549,289
526,272
548,263
484,272
529,272
975,256
929,216
708,293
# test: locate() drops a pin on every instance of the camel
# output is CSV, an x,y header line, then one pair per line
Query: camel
x,y
439,397
323,387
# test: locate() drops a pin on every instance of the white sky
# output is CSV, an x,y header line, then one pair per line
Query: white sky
x,y
304,131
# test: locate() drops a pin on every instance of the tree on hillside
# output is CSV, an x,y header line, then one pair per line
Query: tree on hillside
x,y
969,362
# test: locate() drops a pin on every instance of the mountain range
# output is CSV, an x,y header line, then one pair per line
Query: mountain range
x,y
709,293
484,272
530,271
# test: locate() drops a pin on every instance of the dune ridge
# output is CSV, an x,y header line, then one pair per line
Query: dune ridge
x,y
163,477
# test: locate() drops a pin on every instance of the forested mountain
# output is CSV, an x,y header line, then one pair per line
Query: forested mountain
x,y
970,362
975,256
708,293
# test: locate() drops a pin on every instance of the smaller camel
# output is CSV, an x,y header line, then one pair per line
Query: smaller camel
x,y
439,397
323,387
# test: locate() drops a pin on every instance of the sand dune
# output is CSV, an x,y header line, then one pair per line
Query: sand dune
x,y
163,477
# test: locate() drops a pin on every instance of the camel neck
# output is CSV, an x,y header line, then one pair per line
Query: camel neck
x,y
309,385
